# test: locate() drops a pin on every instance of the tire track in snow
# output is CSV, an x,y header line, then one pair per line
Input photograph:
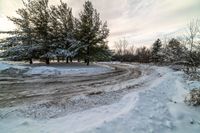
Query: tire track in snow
x,y
141,111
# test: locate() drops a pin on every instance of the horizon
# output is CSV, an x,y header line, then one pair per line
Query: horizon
x,y
140,22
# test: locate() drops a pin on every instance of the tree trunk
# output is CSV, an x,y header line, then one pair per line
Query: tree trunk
x,y
47,61
71,59
30,61
58,59
67,60
88,62
63,59
88,55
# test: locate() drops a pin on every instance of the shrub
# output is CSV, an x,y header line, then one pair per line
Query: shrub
x,y
193,98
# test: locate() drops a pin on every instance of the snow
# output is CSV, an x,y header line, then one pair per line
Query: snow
x,y
186,118
44,70
154,108
57,70
4,66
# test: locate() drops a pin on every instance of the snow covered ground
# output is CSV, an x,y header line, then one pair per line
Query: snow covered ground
x,y
156,107
4,66
57,70
65,71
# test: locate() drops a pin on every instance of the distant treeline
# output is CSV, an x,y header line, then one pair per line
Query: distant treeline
x,y
183,51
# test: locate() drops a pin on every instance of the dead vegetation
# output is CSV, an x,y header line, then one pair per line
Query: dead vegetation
x,y
193,98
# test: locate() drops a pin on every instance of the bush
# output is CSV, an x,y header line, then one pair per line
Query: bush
x,y
193,98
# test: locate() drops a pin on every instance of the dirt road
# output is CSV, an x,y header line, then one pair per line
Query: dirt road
x,y
22,89
44,97
128,99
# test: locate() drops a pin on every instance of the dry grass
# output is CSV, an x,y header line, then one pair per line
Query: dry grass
x,y
193,98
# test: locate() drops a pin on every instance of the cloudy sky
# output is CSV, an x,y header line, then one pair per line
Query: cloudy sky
x,y
138,21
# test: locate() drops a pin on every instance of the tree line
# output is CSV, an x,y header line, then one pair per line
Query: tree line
x,y
184,50
47,32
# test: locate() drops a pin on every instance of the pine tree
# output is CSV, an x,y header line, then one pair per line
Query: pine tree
x,y
55,28
156,57
48,32
24,36
143,55
40,20
101,53
31,33
91,30
67,32
174,51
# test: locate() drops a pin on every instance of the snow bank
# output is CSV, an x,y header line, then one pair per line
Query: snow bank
x,y
186,119
44,70
77,122
4,66
48,70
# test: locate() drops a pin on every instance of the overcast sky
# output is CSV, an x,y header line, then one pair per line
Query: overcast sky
x,y
139,21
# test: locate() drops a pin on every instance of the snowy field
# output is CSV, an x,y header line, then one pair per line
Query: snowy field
x,y
155,105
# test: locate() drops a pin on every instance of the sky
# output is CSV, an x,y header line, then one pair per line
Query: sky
x,y
140,22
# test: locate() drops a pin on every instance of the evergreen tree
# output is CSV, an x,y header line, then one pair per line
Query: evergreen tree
x,y
54,33
24,48
174,51
47,32
101,53
40,19
156,49
143,55
69,43
91,30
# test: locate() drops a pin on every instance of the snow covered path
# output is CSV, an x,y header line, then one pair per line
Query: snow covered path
x,y
156,107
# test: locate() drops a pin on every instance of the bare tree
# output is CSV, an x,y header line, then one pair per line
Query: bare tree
x,y
118,48
192,40
124,46
198,35
132,50
192,33
121,47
